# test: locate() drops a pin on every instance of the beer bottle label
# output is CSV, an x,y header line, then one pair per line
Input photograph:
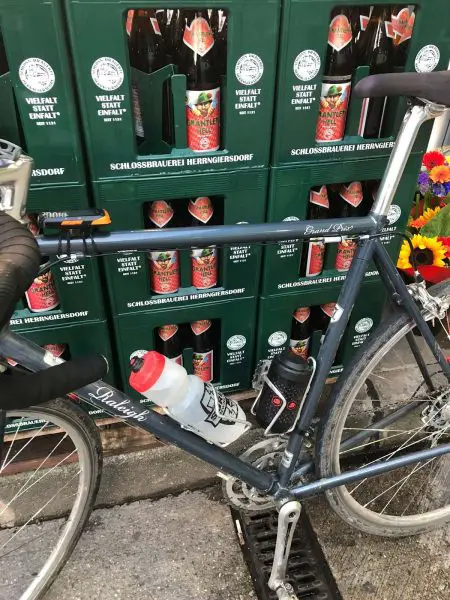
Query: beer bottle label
x,y
203,119
155,25
199,327
388,30
138,126
42,294
339,33
363,22
408,31
345,253
302,314
353,193
129,21
300,347
202,365
400,22
333,111
204,267
328,308
201,208
56,349
320,198
167,331
178,359
160,213
165,271
198,36
316,253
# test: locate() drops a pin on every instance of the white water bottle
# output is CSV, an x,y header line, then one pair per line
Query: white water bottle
x,y
187,399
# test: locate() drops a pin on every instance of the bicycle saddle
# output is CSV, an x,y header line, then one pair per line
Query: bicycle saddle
x,y
434,87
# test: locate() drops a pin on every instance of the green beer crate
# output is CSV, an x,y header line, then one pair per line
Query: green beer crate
x,y
275,319
233,330
37,100
81,339
236,196
303,48
289,190
75,288
104,79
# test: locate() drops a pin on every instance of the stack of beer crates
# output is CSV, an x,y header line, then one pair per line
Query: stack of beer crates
x,y
328,144
272,123
65,309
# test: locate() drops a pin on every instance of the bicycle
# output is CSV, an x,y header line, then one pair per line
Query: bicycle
x,y
359,447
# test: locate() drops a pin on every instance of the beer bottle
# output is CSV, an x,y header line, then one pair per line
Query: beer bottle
x,y
219,26
321,317
351,197
42,295
197,59
301,331
360,38
378,55
58,350
314,252
147,54
203,350
337,78
161,15
402,28
204,261
129,26
164,264
168,342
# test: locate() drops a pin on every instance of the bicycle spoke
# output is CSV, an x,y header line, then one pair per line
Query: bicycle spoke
x,y
24,446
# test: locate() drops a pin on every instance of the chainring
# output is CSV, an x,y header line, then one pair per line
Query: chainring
x,y
266,455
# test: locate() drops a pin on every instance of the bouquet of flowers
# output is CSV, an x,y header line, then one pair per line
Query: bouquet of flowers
x,y
429,223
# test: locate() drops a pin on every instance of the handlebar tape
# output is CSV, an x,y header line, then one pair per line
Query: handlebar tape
x,y
19,263
20,390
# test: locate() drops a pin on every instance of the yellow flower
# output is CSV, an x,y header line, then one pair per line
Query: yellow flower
x,y
428,214
440,174
447,158
427,251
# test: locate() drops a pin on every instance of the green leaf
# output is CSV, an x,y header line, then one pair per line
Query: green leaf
x,y
438,225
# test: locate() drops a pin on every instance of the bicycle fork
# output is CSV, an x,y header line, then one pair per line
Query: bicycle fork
x,y
288,517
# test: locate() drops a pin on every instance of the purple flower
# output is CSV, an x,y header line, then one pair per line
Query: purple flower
x,y
423,178
439,190
447,187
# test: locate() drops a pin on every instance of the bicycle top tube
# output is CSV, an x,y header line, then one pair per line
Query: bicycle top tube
x,y
187,237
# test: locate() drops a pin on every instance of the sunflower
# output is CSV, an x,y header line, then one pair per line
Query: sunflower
x,y
440,174
428,214
427,251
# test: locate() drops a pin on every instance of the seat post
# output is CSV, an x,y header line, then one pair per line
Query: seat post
x,y
414,118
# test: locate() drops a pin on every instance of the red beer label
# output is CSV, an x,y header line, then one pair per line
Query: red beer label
x,y
400,22
353,193
199,327
320,198
177,359
129,21
201,208
199,37
300,347
316,253
363,22
328,308
155,25
55,349
160,213
302,314
204,267
42,294
340,32
345,253
165,271
333,111
388,28
408,31
203,119
202,365
167,331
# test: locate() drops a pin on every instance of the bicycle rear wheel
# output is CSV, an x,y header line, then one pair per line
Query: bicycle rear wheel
x,y
385,380
49,477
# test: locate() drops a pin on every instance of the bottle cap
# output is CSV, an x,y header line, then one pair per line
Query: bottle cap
x,y
290,366
146,371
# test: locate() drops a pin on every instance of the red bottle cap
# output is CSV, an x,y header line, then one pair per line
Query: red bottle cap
x,y
149,371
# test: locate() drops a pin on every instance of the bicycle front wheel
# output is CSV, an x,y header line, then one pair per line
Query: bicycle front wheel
x,y
50,467
392,400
